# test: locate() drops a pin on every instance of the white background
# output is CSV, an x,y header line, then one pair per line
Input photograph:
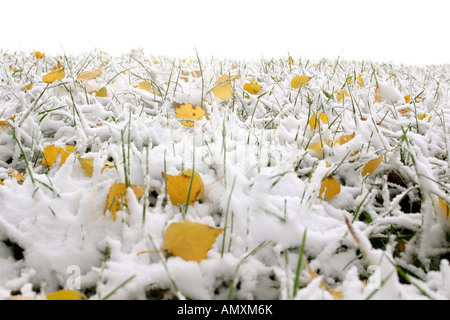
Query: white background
x,y
398,31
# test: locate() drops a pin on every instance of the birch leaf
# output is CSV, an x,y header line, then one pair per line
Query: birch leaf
x,y
372,165
189,111
54,76
89,75
300,81
190,241
178,187
117,193
222,87
65,295
330,186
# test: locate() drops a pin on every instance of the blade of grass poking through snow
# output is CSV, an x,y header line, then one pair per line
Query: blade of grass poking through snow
x,y
226,217
299,264
186,205
27,165
164,263
236,271
123,284
203,80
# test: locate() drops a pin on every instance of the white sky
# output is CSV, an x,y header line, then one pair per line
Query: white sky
x,y
399,31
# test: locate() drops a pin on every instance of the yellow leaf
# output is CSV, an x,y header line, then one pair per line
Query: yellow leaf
x,y
408,98
346,138
372,165
422,116
88,165
445,209
51,153
5,124
252,88
178,187
54,76
19,177
188,111
65,295
117,192
102,93
300,81
28,87
342,94
331,187
89,75
190,241
39,55
1,182
147,86
222,87
313,122
360,80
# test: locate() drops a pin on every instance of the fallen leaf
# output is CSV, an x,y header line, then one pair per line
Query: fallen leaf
x,y
445,208
178,187
65,295
313,122
54,76
422,116
190,241
222,87
189,111
117,193
89,75
252,88
342,94
87,164
28,87
346,138
404,111
147,86
102,93
39,55
300,81
18,176
331,187
360,80
1,182
52,152
372,165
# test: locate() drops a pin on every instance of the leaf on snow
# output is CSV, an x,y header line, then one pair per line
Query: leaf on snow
x,y
222,87
52,152
300,81
117,193
252,88
191,112
190,241
65,295
372,165
330,186
54,76
89,75
313,122
178,187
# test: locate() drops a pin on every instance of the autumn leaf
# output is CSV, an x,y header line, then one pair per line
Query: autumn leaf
x,y
117,193
360,80
222,87
1,182
313,122
178,187
28,87
147,86
300,81
52,152
372,165
342,94
252,88
89,75
331,187
346,138
65,295
39,55
190,241
102,93
87,164
445,208
189,111
422,116
18,176
54,76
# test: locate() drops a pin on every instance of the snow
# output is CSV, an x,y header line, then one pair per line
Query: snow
x,y
253,157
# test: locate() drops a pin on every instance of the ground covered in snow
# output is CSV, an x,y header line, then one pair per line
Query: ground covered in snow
x,y
380,233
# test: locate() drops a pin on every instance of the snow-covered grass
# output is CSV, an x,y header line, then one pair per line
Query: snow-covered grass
x,y
262,178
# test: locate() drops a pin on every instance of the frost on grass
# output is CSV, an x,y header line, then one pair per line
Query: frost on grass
x,y
266,157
